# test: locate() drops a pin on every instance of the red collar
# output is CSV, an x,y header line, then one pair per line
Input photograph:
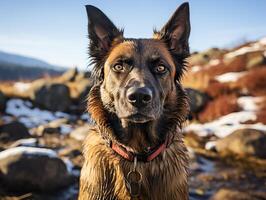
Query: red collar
x,y
145,157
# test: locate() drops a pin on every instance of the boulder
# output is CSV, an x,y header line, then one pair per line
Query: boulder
x,y
27,169
2,102
13,131
243,142
230,194
54,97
204,57
197,100
68,76
52,127
80,133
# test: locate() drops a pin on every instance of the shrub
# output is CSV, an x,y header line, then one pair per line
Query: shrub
x,y
220,106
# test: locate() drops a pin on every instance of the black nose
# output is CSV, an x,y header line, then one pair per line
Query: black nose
x,y
139,97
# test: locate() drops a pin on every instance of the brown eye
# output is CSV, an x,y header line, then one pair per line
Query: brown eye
x,y
160,69
118,68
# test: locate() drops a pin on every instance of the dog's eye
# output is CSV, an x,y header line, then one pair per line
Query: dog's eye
x,y
160,69
118,68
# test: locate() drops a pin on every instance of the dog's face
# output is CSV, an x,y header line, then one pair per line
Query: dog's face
x,y
138,77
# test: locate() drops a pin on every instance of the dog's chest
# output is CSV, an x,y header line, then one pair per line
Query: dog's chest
x,y
162,178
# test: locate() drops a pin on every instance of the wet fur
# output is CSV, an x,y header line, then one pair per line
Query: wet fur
x,y
103,173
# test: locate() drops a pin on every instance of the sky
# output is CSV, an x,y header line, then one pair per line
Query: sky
x,y
56,30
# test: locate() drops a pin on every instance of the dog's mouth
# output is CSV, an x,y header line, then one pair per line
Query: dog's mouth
x,y
138,118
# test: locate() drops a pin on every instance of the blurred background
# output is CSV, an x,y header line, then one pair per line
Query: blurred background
x,y
45,77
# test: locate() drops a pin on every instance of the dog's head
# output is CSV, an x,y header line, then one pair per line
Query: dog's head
x,y
138,79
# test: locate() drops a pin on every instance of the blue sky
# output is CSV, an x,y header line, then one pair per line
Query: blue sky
x,y
56,30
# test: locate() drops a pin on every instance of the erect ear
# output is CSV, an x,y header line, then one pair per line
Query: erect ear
x,y
176,31
102,35
102,32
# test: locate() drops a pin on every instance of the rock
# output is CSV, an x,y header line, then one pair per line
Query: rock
x,y
13,131
197,100
28,169
52,127
54,97
230,194
243,142
80,133
69,75
256,61
192,140
205,56
83,75
79,89
2,102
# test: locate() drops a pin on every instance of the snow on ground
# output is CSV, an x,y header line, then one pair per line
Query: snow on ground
x,y
196,68
249,103
65,129
29,142
210,145
27,151
22,87
257,46
230,77
225,125
29,115
262,41
203,165
214,62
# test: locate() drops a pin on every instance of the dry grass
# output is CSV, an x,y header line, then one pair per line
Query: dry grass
x,y
216,89
254,83
202,79
220,106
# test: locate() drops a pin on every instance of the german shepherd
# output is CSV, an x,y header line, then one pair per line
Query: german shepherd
x,y
136,149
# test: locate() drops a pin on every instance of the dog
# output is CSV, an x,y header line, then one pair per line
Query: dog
x,y
136,150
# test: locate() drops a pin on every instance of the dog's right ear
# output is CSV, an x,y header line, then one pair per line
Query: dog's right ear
x,y
102,34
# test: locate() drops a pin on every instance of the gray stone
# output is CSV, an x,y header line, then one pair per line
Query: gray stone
x,y
13,131
197,100
2,102
243,142
54,97
28,169
80,133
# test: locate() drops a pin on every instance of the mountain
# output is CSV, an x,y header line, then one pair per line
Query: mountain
x,y
26,61
17,67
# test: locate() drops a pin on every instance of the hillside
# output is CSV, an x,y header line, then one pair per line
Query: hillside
x,y
228,110
17,67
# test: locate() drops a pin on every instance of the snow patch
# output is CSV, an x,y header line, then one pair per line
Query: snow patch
x,y
257,46
65,129
30,142
27,151
30,116
195,68
210,145
214,62
249,103
22,87
225,125
230,77
262,41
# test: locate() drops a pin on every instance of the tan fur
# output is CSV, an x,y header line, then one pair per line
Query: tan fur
x,y
104,171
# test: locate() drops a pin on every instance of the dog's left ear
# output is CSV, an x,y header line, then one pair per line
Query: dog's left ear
x,y
102,34
176,31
